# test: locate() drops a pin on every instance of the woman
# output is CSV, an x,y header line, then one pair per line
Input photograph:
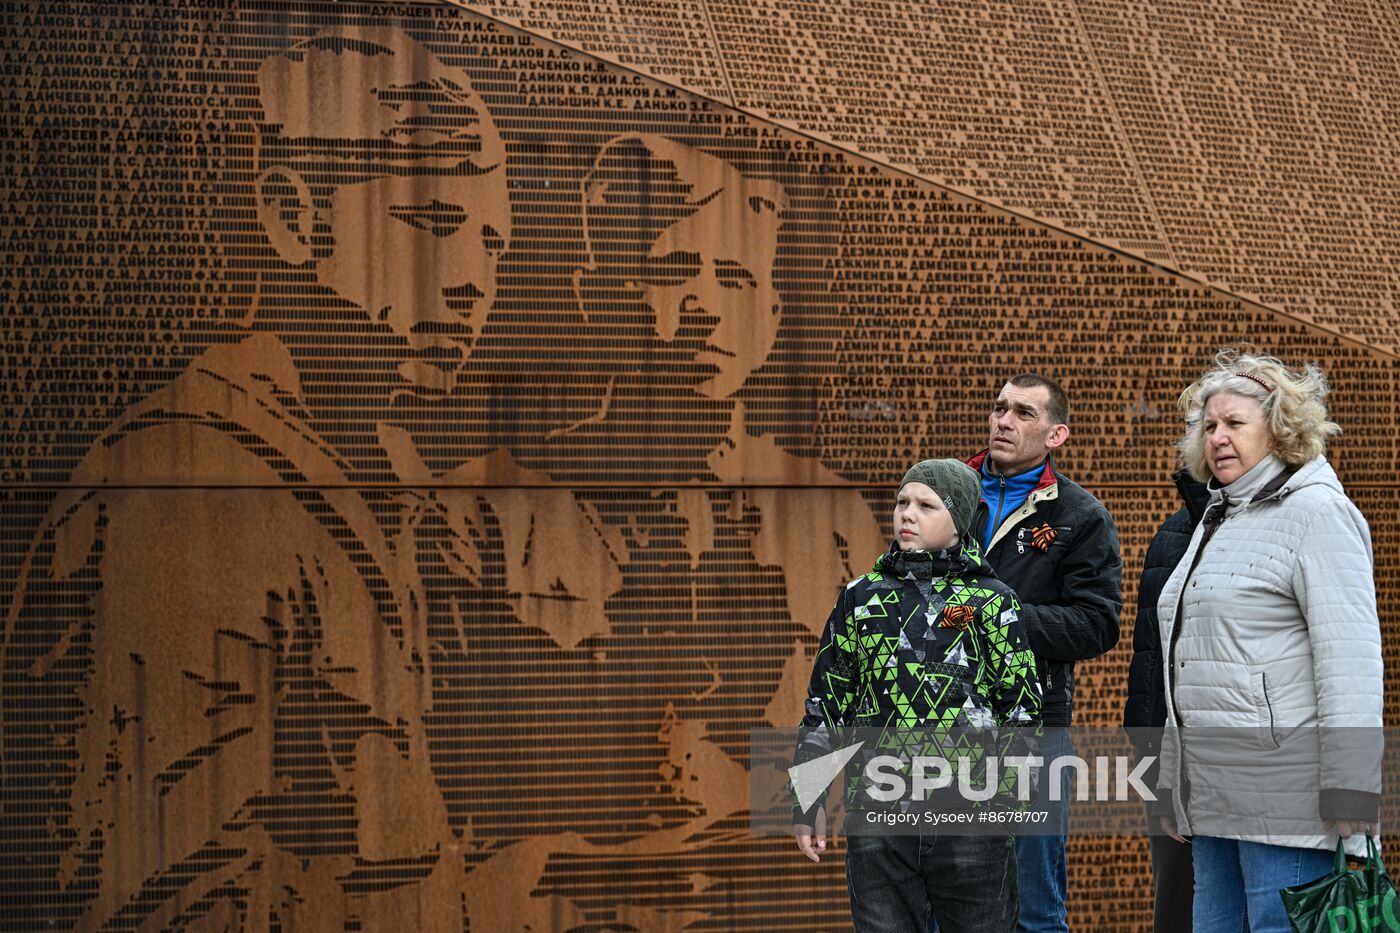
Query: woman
x,y
1272,651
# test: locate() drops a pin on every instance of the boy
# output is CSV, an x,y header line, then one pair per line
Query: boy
x,y
929,638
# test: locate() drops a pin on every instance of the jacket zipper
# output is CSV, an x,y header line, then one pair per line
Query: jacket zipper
x,y
1001,503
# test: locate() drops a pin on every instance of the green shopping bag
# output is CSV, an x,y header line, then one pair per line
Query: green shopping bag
x,y
1357,900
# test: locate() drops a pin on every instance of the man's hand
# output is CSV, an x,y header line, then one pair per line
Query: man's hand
x,y
1169,827
812,844
1346,828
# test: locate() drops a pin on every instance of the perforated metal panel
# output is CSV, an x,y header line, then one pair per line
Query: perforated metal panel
x,y
428,449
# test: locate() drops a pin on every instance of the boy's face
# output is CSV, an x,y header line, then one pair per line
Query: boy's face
x,y
921,520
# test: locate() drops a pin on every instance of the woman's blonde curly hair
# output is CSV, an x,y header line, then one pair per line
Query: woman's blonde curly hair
x,y
1294,402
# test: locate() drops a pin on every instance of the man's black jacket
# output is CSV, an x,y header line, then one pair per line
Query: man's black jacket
x,y
1059,552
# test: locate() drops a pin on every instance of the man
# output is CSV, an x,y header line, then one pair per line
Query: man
x,y
712,302
693,312
1056,546
406,224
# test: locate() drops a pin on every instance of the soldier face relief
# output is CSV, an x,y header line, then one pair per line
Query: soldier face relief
x,y
436,294
412,218
708,297
714,298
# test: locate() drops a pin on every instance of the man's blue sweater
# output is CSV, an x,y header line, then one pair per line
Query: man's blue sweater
x,y
1004,495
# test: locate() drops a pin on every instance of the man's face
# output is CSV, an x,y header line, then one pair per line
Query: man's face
x,y
1021,429
714,296
419,254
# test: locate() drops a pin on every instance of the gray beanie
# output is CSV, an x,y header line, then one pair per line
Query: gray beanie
x,y
956,482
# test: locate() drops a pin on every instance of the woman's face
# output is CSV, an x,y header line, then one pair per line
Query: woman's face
x,y
1236,434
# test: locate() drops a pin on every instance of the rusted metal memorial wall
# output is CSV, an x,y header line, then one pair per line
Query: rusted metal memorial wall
x,y
1253,145
428,451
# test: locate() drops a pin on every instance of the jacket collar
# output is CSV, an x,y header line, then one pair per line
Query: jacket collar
x,y
1316,472
966,561
1266,480
1047,479
1193,493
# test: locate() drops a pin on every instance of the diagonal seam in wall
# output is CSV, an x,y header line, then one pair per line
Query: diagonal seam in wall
x,y
990,204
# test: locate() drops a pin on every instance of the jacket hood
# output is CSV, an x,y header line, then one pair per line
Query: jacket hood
x,y
1316,472
967,561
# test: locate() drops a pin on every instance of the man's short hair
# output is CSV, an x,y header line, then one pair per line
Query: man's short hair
x,y
1058,407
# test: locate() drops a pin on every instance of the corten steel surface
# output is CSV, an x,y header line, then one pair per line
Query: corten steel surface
x,y
1252,145
428,451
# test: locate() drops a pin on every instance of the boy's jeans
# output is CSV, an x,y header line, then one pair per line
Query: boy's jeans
x,y
1235,879
1040,860
899,883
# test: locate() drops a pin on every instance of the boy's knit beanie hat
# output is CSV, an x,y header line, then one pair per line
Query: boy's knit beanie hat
x,y
957,484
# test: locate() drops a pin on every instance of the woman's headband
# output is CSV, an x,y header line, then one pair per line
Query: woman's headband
x,y
1253,378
